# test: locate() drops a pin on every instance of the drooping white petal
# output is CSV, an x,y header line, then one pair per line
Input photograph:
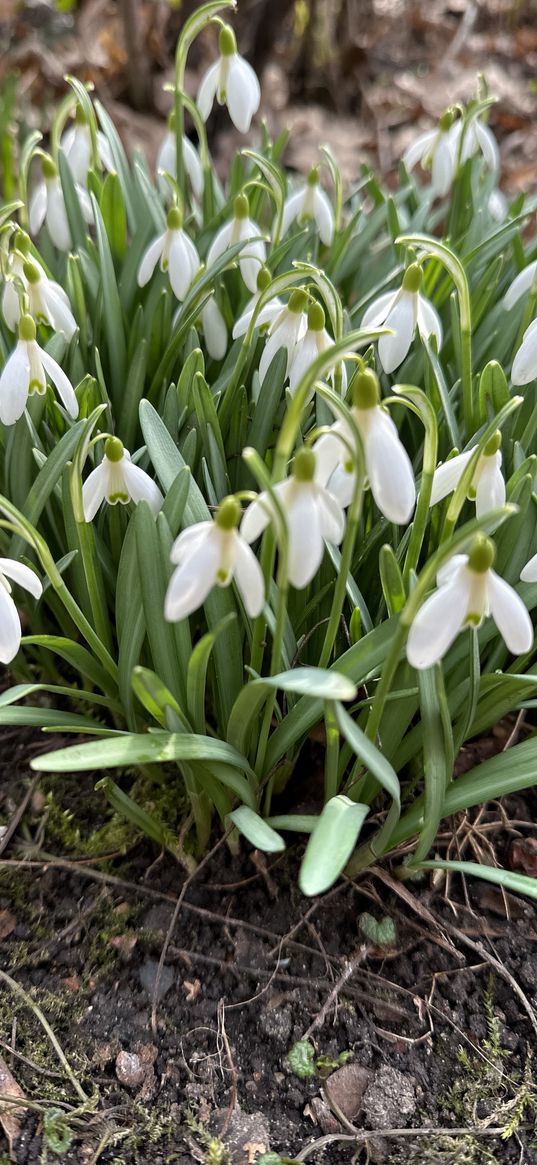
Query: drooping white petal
x,y
329,450
242,93
324,216
450,568
183,262
14,384
438,622
214,329
419,148
60,313
207,90
273,345
249,577
76,145
402,319
342,485
488,145
10,627
428,320
389,469
56,216
10,305
252,258
150,260
268,314
191,582
167,161
222,240
443,165
85,204
192,167
104,151
510,615
38,208
524,367
375,315
306,546
141,486
529,572
94,492
520,286
302,359
186,540
490,487
258,515
331,516
291,209
61,382
447,476
23,575
498,206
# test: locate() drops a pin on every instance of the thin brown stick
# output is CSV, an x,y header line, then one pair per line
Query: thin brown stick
x,y
362,1135
346,974
234,1075
18,814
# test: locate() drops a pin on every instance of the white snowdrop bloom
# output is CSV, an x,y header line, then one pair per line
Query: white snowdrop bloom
x,y
435,150
310,204
214,329
266,315
211,554
233,82
47,205
487,485
176,253
314,341
403,311
476,138
48,302
387,464
116,479
312,517
498,206
286,331
241,229
76,145
16,259
10,624
167,162
529,572
468,591
521,285
525,362
26,371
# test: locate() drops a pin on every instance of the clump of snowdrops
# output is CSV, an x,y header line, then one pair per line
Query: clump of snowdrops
x,y
267,463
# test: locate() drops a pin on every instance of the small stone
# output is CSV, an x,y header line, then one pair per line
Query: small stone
x,y
390,1099
148,977
130,1070
247,1135
347,1086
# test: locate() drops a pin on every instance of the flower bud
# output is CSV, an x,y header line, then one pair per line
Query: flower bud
x,y
226,41
174,219
113,449
241,206
316,317
304,465
413,278
228,514
366,389
27,329
298,301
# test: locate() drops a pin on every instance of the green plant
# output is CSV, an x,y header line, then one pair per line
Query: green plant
x,y
304,1063
198,664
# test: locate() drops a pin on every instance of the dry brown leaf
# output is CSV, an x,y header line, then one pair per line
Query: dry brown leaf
x,y
10,1113
8,923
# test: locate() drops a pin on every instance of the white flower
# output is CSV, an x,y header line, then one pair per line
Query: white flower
x,y
477,138
26,371
388,466
47,205
312,517
529,572
314,341
435,150
498,206
167,162
212,554
48,302
286,331
521,285
241,229
177,254
468,591
308,204
11,310
116,479
268,313
487,485
525,362
233,82
214,329
76,145
403,311
10,624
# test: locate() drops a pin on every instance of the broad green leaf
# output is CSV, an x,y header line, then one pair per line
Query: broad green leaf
x,y
139,749
508,879
256,831
372,757
331,844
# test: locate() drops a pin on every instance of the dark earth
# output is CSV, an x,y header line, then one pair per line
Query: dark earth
x,y
438,1009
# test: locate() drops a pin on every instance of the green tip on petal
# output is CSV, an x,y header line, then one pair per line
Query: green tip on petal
x,y
49,168
228,514
80,116
366,389
27,330
174,219
493,444
298,301
264,279
316,317
304,465
31,272
226,41
413,278
482,554
113,449
313,176
241,206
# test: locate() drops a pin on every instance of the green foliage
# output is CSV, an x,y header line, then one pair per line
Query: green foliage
x,y
304,1063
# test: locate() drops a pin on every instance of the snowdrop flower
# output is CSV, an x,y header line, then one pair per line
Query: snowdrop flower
x,y
241,229
233,82
468,591
310,204
214,329
497,206
116,479
286,331
268,313
26,371
177,254
529,572
435,150
47,205
48,302
314,341
167,162
15,261
521,285
525,362
212,554
312,517
76,145
403,311
10,624
388,466
487,485
476,137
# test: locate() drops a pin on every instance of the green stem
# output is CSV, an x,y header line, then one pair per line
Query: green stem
x,y
94,583
340,589
331,782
